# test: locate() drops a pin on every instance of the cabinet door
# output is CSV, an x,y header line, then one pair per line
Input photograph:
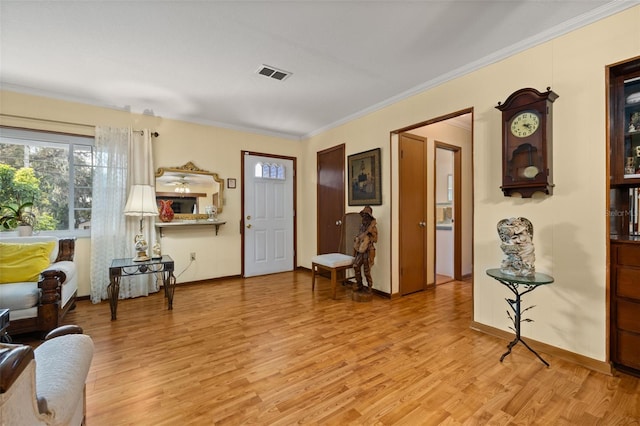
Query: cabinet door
x,y
630,127
624,104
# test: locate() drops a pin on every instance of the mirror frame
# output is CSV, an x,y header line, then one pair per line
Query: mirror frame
x,y
191,168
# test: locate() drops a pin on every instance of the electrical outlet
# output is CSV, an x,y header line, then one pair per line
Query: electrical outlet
x,y
193,256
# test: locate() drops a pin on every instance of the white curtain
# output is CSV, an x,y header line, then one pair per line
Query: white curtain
x,y
108,234
123,158
140,172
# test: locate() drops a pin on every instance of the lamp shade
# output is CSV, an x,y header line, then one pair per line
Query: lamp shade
x,y
141,201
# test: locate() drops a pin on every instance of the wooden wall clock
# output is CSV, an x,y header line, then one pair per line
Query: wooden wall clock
x,y
527,142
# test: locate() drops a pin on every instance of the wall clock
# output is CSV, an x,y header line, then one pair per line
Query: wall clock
x,y
527,142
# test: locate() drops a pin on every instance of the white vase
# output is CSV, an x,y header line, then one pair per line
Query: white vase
x,y
25,231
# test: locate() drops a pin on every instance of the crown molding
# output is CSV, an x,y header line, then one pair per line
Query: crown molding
x,y
26,90
554,32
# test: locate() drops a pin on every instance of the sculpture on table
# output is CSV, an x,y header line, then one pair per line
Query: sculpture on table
x,y
364,249
516,235
156,251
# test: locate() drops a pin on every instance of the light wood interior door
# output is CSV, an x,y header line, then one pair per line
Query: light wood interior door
x,y
412,206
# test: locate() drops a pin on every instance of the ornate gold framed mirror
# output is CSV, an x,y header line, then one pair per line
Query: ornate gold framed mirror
x,y
192,190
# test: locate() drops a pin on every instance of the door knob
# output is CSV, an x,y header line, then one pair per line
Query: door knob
x,y
249,217
249,226
422,224
338,222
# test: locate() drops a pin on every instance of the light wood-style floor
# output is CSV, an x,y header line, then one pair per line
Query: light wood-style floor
x,y
267,350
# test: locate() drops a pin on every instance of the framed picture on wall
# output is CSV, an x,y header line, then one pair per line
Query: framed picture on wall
x,y
231,183
363,174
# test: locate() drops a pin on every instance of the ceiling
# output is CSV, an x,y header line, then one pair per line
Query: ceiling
x,y
197,60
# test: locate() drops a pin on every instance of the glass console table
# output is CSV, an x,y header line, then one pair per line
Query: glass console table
x,y
127,267
519,286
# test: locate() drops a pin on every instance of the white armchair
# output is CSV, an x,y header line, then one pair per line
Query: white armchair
x,y
45,386
40,305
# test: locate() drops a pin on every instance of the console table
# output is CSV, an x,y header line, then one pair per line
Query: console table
x,y
127,267
519,286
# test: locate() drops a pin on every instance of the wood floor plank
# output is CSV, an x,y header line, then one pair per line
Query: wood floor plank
x,y
269,351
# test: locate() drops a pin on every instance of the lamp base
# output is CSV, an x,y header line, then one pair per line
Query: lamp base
x,y
141,249
141,257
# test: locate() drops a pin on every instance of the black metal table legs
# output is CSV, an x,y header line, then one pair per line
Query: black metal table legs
x,y
517,319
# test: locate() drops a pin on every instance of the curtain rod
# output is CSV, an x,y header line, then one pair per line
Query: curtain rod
x,y
154,134
46,120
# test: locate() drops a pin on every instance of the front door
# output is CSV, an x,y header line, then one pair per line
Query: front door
x,y
268,214
412,207
330,198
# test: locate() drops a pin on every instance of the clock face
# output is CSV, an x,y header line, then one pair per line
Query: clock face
x,y
525,124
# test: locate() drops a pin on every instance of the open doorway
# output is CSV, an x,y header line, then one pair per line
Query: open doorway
x,y
447,204
452,133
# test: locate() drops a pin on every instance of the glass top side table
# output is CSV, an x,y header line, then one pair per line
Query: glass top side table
x,y
126,267
519,286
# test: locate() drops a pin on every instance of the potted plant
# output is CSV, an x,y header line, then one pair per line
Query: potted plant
x,y
18,216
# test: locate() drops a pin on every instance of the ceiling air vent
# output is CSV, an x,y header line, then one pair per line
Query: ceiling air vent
x,y
271,72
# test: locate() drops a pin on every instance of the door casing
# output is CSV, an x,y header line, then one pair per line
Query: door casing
x,y
457,208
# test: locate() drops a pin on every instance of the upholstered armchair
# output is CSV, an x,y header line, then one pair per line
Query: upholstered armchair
x,y
39,291
45,386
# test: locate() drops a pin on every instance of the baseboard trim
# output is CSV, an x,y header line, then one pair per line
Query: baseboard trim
x,y
584,361
209,280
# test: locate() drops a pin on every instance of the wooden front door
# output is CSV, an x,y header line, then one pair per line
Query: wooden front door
x,y
330,197
413,217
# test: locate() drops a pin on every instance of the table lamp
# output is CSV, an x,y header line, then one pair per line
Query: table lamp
x,y
141,202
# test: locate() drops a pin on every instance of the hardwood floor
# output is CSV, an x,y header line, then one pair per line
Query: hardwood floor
x,y
266,350
443,279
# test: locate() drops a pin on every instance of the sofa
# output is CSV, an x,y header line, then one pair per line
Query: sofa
x,y
46,386
38,281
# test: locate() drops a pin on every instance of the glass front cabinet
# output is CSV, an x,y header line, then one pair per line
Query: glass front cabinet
x,y
624,214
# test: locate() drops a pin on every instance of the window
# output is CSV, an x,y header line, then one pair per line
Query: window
x,y
269,171
52,169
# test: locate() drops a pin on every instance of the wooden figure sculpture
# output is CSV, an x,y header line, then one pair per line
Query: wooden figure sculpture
x,y
365,250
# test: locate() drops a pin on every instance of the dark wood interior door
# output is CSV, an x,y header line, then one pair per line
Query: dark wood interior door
x,y
330,197
413,205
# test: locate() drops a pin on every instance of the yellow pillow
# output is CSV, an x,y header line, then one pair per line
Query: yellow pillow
x,y
23,262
